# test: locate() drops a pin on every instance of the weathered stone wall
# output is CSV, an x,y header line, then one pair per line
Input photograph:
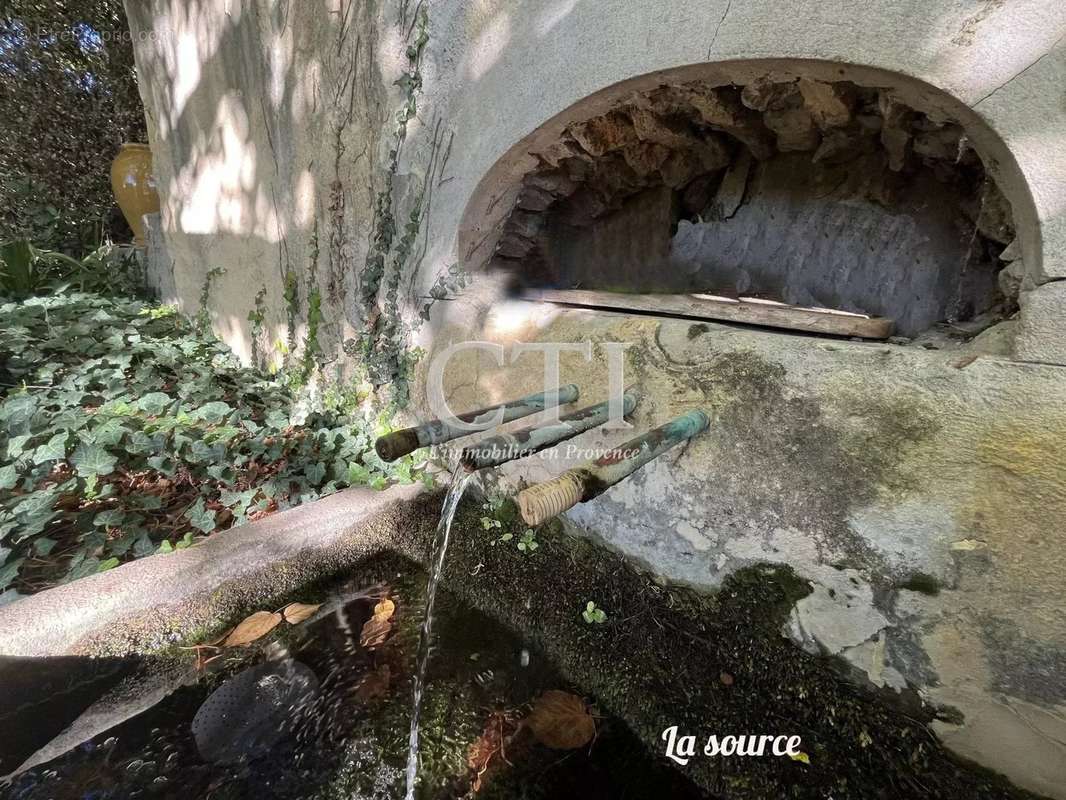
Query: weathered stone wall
x,y
265,121
921,491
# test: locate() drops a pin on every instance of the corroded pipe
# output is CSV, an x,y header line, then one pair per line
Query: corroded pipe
x,y
579,485
505,447
399,443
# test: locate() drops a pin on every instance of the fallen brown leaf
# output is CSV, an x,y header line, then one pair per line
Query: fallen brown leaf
x,y
296,613
218,640
385,608
254,627
487,752
375,631
561,721
377,628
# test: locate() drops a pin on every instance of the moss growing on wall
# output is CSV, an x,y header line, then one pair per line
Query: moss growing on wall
x,y
709,664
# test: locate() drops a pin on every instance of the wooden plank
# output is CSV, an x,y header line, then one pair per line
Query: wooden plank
x,y
748,310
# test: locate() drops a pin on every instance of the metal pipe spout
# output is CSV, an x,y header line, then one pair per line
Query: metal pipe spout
x,y
506,447
399,443
579,485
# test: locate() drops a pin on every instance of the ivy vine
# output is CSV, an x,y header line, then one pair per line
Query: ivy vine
x,y
125,431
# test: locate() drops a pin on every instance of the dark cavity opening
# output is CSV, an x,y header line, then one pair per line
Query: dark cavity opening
x,y
823,195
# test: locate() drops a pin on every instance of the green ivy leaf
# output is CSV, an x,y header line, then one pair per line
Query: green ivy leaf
x,y
8,476
143,546
55,449
112,518
163,464
278,420
139,442
358,475
212,413
10,571
92,460
82,566
16,444
201,517
109,433
315,472
146,502
222,472
17,412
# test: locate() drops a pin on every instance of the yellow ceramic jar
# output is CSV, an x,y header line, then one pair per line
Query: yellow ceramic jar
x,y
134,186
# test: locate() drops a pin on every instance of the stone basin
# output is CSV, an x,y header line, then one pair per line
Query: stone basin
x,y
665,656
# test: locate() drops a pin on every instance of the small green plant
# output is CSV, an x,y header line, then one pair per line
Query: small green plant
x,y
312,349
449,284
257,316
490,517
292,311
203,315
159,312
526,543
26,270
167,547
593,615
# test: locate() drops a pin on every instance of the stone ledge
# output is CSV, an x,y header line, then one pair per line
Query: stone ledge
x,y
157,601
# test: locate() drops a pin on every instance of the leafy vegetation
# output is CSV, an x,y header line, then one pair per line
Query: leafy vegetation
x,y
499,513
70,99
527,543
26,269
125,431
593,615
449,284
493,509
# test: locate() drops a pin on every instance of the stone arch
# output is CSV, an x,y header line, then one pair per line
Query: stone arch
x,y
685,129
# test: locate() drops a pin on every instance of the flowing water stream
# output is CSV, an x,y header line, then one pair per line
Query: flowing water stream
x,y
460,479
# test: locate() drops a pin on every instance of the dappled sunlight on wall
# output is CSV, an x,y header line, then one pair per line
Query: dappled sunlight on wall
x,y
264,119
215,186
185,37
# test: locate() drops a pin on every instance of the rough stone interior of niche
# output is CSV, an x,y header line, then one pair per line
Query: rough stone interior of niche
x,y
828,195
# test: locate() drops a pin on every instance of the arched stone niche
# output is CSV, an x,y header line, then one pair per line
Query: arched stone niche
x,y
805,182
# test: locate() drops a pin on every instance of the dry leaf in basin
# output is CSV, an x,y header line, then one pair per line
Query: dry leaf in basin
x,y
561,720
254,627
489,749
375,631
377,628
296,613
385,609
